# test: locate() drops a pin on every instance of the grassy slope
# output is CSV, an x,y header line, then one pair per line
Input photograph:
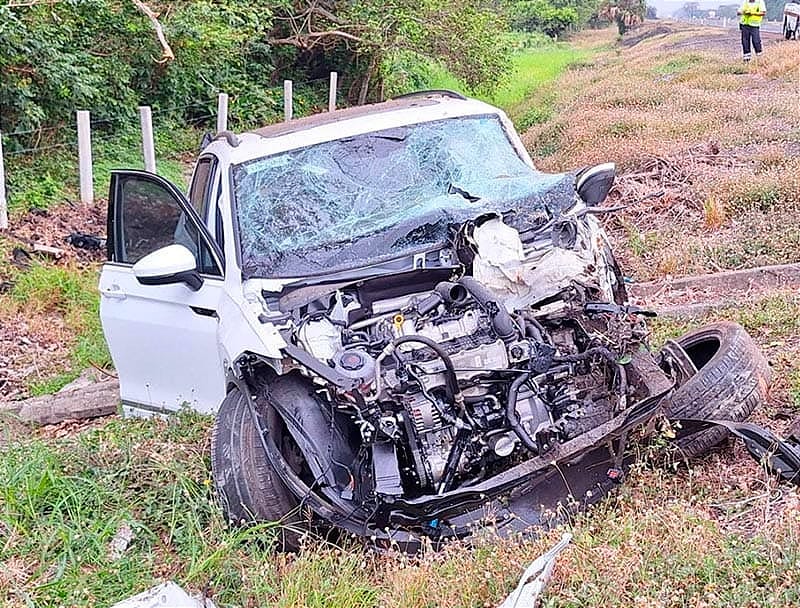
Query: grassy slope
x,y
681,116
535,63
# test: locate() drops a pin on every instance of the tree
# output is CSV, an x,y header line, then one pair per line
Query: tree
x,y
774,10
689,9
466,35
625,13
727,11
651,12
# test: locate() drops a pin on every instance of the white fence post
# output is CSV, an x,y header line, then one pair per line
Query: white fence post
x,y
332,91
3,200
222,112
148,147
85,156
287,100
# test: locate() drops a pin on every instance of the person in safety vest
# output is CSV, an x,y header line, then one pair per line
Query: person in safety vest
x,y
752,12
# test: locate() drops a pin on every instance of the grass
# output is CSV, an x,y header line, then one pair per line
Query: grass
x,y
532,68
62,501
730,195
536,62
43,180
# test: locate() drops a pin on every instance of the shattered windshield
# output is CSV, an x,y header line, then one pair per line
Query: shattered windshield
x,y
361,199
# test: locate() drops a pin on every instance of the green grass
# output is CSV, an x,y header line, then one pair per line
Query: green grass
x,y
532,68
534,64
775,316
47,178
680,64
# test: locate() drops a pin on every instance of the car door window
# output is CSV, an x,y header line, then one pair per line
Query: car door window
x,y
202,183
147,217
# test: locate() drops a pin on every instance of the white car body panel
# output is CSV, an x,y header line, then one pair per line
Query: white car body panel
x,y
165,352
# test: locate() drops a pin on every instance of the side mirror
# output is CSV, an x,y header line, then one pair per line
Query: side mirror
x,y
594,183
168,265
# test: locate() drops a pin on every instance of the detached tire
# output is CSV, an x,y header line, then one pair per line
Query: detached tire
x,y
730,378
248,487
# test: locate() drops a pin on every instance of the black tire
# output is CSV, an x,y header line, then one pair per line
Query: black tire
x,y
731,380
248,487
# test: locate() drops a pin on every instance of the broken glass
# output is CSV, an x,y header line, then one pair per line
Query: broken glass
x,y
380,195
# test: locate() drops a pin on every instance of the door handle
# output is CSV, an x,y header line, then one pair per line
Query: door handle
x,y
204,312
113,292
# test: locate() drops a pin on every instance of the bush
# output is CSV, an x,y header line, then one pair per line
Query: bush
x,y
542,16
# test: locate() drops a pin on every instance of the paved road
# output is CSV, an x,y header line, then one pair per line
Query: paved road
x,y
772,27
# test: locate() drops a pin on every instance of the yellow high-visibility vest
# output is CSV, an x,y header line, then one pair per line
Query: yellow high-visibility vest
x,y
752,6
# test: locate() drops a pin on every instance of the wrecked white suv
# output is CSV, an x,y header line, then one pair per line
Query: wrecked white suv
x,y
404,328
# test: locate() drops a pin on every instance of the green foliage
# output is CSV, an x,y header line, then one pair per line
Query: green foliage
x,y
370,38
551,17
104,56
542,16
624,13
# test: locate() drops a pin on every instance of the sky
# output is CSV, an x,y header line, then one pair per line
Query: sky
x,y
664,8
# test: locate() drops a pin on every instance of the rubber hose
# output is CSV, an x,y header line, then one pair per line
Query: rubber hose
x,y
512,416
532,331
451,381
452,293
589,352
453,458
501,321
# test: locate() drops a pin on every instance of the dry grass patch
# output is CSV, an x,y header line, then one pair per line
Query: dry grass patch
x,y
710,145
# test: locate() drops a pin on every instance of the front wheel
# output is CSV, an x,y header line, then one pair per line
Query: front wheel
x,y
722,375
248,487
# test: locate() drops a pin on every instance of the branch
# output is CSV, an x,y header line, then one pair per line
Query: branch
x,y
308,40
167,55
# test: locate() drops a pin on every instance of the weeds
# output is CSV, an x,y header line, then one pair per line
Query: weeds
x,y
45,179
714,213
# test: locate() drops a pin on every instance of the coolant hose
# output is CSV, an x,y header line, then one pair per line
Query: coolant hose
x,y
501,321
451,381
513,417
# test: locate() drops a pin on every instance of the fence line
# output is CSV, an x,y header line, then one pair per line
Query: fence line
x,y
222,112
287,100
85,156
84,124
148,147
334,82
3,200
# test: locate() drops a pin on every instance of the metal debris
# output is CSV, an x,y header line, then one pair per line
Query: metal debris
x,y
536,577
